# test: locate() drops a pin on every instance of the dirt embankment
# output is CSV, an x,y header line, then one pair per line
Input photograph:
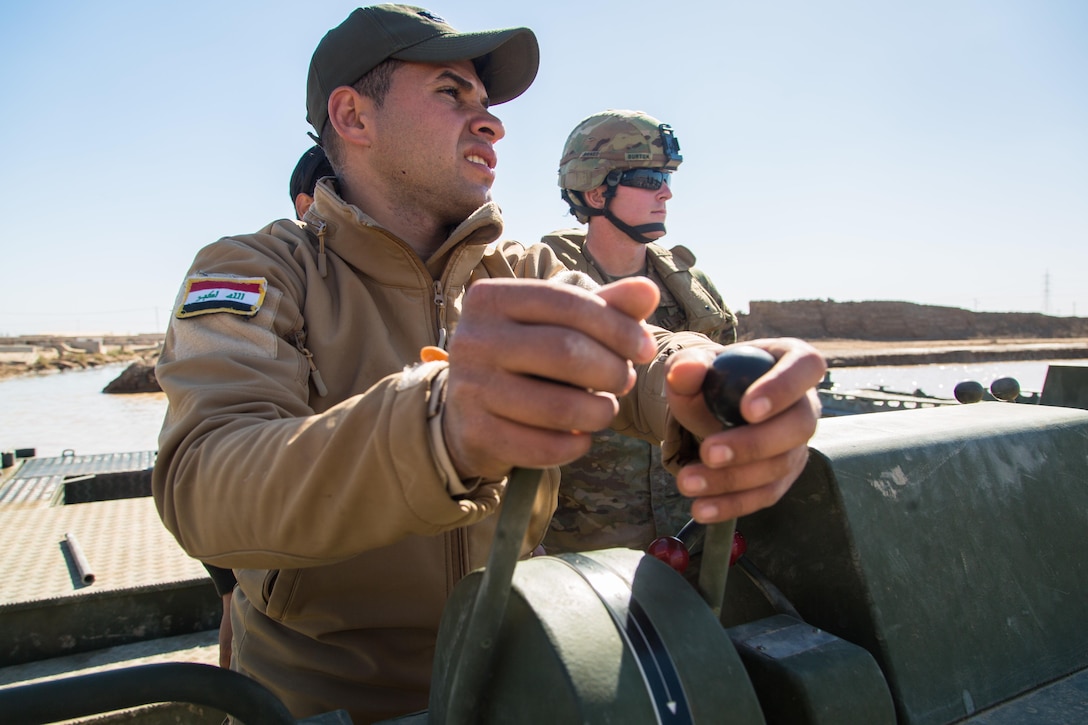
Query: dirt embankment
x,y
901,321
856,334
50,353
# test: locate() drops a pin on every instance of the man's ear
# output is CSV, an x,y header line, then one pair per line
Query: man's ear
x,y
302,204
350,114
595,197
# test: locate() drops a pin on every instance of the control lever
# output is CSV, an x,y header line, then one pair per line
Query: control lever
x,y
488,610
727,379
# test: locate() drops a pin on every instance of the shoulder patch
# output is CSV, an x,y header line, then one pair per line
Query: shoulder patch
x,y
236,295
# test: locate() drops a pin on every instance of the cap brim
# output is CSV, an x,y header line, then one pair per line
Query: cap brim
x,y
513,58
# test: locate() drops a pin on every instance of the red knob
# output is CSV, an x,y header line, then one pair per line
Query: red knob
x,y
672,551
739,547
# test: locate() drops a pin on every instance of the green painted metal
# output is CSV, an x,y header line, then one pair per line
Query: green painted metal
x,y
1058,703
800,673
563,656
948,542
36,630
1066,385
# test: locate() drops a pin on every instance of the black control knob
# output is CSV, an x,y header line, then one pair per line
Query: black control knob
x,y
1007,389
969,391
732,371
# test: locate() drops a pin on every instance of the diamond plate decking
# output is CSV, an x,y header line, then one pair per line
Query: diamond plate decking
x,y
38,481
144,584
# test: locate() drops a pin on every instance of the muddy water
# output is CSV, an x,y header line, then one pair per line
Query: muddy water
x,y
67,410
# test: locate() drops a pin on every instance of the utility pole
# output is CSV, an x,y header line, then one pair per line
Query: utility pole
x,y
1046,293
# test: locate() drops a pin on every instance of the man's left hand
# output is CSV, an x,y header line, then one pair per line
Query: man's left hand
x,y
747,468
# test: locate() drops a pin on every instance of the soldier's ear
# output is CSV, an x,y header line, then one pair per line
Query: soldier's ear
x,y
350,113
302,204
595,197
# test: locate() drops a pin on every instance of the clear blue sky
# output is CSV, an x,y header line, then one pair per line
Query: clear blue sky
x,y
934,151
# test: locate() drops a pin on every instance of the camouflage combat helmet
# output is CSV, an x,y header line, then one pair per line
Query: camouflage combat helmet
x,y
604,149
616,140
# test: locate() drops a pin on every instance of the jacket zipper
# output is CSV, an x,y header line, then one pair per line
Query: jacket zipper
x,y
299,338
322,263
458,537
440,307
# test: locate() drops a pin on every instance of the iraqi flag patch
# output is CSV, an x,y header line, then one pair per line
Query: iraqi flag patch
x,y
236,295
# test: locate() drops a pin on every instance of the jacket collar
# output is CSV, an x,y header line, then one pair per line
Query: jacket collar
x,y
362,242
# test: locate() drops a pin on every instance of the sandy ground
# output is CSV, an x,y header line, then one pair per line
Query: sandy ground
x,y
850,353
834,347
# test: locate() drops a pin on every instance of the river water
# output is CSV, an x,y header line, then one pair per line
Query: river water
x,y
53,412
67,411
940,380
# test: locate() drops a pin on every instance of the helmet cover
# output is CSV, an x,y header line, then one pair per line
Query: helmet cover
x,y
616,141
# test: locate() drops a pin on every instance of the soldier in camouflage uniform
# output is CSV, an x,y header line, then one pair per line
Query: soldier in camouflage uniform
x,y
614,174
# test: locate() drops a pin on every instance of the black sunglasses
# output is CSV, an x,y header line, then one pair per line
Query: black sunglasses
x,y
645,178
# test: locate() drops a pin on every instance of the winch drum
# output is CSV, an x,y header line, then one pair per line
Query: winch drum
x,y
604,636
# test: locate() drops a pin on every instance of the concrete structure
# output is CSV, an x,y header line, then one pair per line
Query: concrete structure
x,y
25,354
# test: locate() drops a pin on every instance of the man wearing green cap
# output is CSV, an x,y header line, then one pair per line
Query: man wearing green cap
x,y
615,173
311,166
319,442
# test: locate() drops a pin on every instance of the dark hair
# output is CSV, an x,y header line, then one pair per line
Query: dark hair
x,y
374,85
312,166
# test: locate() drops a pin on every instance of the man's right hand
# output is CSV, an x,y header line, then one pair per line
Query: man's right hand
x,y
535,367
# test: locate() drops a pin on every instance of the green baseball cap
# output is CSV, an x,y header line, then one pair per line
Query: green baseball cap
x,y
506,59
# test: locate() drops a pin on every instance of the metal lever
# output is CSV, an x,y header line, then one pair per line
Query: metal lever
x,y
733,371
481,632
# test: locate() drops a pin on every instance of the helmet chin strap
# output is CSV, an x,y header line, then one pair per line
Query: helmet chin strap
x,y
636,233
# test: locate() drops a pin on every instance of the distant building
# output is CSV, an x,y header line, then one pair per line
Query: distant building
x,y
25,354
91,345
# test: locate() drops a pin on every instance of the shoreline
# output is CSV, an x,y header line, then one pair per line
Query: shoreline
x,y
869,353
839,353
49,354
70,361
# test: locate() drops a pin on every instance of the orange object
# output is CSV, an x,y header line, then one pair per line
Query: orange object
x,y
430,353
